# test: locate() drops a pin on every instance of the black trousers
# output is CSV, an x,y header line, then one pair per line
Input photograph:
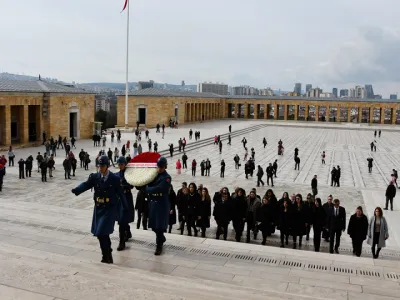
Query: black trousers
x,y
222,228
10,161
28,172
375,242
184,164
370,169
272,180
160,238
317,238
308,229
222,173
44,176
259,179
389,199
67,174
334,236
142,217
190,223
21,174
238,226
193,171
297,166
357,246
284,236
105,242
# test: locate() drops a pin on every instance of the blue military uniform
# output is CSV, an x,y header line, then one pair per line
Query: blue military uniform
x,y
108,194
159,205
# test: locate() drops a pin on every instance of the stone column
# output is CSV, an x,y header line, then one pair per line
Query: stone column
x,y
24,124
265,111
382,115
316,113
360,110
394,115
256,111
348,114
296,112
371,115
212,113
7,126
246,110
338,119
285,117
276,111
306,107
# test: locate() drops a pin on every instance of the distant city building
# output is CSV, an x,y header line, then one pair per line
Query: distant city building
x,y
369,91
314,93
352,93
291,94
393,97
183,83
344,93
361,92
266,92
216,88
378,97
245,90
335,92
145,85
101,102
308,87
297,88
326,95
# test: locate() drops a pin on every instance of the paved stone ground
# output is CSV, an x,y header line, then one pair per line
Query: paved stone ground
x,y
346,147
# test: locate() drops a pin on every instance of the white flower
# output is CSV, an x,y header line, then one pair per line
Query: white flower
x,y
140,176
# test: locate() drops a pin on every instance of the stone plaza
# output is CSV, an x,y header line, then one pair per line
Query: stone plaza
x,y
47,251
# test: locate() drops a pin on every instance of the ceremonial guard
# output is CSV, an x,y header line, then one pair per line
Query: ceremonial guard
x,y
124,228
107,195
159,206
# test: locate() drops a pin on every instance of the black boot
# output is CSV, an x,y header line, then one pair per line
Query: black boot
x,y
104,257
300,241
373,252
128,235
158,250
263,242
121,245
203,234
110,258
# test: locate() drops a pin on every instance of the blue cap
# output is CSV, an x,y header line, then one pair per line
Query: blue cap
x,y
162,162
103,161
121,160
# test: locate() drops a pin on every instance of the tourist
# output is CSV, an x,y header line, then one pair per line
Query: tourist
x,y
2,174
378,232
178,166
29,166
297,163
11,156
43,169
220,147
207,167
285,223
265,217
184,160
337,224
139,149
67,167
155,145
82,157
110,156
270,174
390,194
357,230
328,205
333,176
222,174
337,177
275,167
179,201
202,167
264,142
50,165
370,160
171,149
299,215
323,157
21,167
135,149
39,159
314,185
194,165
260,174
236,159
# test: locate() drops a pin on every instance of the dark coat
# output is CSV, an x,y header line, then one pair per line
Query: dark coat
x,y
318,217
390,191
21,164
106,213
239,208
300,214
172,206
159,204
358,227
191,205
223,211
337,222
285,219
29,163
265,215
129,215
142,205
204,213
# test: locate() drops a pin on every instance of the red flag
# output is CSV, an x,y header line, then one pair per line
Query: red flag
x,y
125,5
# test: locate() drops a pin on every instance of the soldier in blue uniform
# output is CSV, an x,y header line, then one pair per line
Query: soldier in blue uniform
x,y
107,195
124,228
159,206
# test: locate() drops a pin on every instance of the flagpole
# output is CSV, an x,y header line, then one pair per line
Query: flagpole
x,y
127,68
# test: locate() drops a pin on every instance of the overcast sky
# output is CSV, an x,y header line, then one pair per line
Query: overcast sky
x,y
262,43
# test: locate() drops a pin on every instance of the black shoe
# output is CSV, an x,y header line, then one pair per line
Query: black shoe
x,y
337,251
203,234
385,208
158,251
263,242
128,235
121,245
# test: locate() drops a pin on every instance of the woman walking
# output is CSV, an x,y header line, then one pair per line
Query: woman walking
x,y
178,167
357,230
318,221
203,220
378,232
285,222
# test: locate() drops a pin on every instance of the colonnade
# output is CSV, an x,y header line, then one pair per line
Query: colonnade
x,y
198,111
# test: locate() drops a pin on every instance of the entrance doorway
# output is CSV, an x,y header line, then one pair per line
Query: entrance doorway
x,y
73,124
142,116
14,131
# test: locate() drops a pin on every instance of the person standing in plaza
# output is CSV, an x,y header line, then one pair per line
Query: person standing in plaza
x,y
67,167
184,160
194,166
50,165
333,176
220,147
108,192
297,163
208,167
314,185
222,175
236,159
230,128
11,156
380,133
159,206
270,174
126,213
318,221
323,157
264,142
358,230
390,194
21,167
275,167
28,166
178,166
260,174
337,225
337,177
155,145
43,169
370,160
378,232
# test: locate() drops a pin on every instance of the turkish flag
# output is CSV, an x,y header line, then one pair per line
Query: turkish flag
x,y
125,5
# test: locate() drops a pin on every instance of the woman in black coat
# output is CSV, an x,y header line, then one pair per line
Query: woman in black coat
x,y
285,221
358,229
172,211
239,212
265,215
299,221
285,196
142,207
191,210
203,220
273,208
222,214
318,221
